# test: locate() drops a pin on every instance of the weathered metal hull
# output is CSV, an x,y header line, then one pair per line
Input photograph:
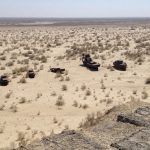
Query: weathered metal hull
x,y
121,67
31,75
3,82
57,70
92,66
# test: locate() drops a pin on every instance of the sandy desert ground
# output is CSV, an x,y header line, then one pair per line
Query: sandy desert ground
x,y
50,103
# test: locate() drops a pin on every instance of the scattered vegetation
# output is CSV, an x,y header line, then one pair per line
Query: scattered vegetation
x,y
60,101
147,81
91,120
64,88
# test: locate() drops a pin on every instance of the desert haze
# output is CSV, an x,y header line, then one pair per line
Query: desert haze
x,y
51,102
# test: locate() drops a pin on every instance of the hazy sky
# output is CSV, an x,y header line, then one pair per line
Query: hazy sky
x,y
74,8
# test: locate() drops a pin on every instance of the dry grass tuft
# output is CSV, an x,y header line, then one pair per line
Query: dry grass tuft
x,y
13,108
144,95
88,93
75,104
64,87
23,80
60,101
7,96
83,87
90,120
147,81
2,107
22,100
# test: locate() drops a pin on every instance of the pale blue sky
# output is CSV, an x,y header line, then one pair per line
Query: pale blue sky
x,y
74,8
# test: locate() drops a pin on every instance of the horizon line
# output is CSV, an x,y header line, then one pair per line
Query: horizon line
x,y
74,17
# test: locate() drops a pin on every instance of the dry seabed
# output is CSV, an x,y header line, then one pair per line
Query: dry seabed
x,y
50,103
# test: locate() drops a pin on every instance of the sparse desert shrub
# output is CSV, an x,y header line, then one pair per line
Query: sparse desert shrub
x,y
110,68
147,81
64,87
10,63
77,89
28,127
48,45
20,70
25,61
75,104
2,107
21,136
22,100
96,56
2,68
60,57
57,43
138,40
23,80
66,72
109,101
53,93
14,56
95,98
2,129
105,75
34,132
21,139
8,94
26,47
102,101
13,108
14,76
140,60
84,98
135,55
110,110
144,95
107,95
41,67
38,114
66,127
43,59
103,57
38,95
60,101
119,78
127,44
67,79
3,58
135,92
90,120
55,120
1,44
88,93
61,78
85,106
103,87
83,87
58,75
